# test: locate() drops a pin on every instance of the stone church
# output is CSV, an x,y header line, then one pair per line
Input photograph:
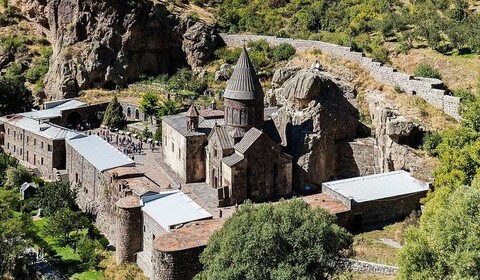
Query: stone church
x,y
234,154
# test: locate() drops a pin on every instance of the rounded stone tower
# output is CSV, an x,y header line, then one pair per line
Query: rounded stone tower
x,y
128,228
244,96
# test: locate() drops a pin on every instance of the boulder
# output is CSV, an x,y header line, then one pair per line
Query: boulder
x,y
314,115
105,44
224,73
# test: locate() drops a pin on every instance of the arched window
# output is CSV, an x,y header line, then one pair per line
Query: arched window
x,y
129,112
137,114
243,117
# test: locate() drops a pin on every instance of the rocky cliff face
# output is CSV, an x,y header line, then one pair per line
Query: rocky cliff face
x,y
316,113
110,43
397,139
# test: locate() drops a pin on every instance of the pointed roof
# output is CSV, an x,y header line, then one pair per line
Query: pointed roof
x,y
244,83
192,112
237,133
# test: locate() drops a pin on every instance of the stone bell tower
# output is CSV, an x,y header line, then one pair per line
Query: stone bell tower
x,y
244,96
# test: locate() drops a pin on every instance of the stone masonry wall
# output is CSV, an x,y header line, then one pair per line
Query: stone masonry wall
x,y
176,265
432,90
151,230
368,267
356,158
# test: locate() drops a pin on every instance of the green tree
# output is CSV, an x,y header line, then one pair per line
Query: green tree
x,y
149,104
114,116
284,51
55,196
15,176
15,233
289,240
15,96
426,71
158,132
87,250
168,107
64,221
445,245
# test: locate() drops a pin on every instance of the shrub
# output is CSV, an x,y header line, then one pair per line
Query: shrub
x,y
229,56
426,71
380,54
430,142
87,250
284,51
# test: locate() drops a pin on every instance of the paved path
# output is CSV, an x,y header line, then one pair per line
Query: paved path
x,y
44,269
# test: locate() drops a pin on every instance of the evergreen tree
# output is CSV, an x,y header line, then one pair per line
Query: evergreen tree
x,y
114,116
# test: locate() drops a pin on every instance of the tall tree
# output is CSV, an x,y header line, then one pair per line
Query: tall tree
x,y
64,221
168,107
149,104
15,176
289,240
445,245
54,196
114,116
15,96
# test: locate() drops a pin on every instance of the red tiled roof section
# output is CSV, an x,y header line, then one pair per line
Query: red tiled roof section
x,y
191,235
326,202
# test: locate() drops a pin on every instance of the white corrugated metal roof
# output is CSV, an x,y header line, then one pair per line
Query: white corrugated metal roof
x,y
43,129
378,186
173,208
99,153
54,111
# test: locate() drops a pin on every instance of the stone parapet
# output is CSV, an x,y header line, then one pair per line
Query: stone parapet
x,y
432,90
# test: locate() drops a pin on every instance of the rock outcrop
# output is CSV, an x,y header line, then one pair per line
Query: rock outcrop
x,y
111,43
397,139
315,115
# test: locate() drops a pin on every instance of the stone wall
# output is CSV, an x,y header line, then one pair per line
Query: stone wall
x,y
356,158
92,191
388,209
432,90
368,267
128,233
176,265
151,230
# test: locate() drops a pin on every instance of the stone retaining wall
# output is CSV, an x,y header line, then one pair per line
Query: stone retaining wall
x,y
368,267
432,90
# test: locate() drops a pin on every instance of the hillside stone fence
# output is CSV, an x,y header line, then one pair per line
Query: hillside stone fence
x,y
432,91
368,267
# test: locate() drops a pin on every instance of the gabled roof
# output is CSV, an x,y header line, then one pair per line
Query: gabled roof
x,y
226,142
250,137
43,129
237,133
27,185
54,109
244,83
99,153
179,123
173,208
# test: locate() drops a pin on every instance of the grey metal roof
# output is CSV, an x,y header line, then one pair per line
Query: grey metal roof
x,y
192,112
244,83
233,159
99,153
43,129
54,111
173,208
250,137
237,133
378,186
179,123
27,185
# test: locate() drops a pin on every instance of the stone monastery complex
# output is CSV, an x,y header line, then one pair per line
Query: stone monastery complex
x,y
232,154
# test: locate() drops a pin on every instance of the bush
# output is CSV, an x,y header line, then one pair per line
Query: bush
x,y
228,55
87,250
380,54
431,140
284,51
427,71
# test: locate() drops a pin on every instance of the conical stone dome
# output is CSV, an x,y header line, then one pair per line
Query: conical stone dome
x,y
244,83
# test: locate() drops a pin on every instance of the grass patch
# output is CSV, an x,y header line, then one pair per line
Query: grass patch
x,y
62,256
368,246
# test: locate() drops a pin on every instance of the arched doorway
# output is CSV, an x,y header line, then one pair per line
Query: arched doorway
x,y
137,114
74,119
129,112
